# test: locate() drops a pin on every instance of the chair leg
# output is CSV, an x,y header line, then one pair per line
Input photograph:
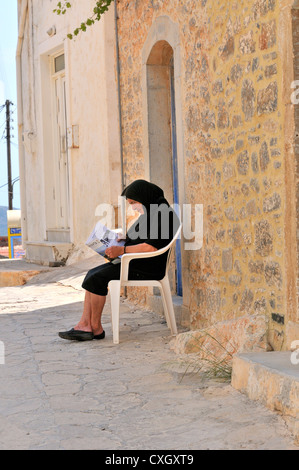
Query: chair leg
x,y
168,306
114,289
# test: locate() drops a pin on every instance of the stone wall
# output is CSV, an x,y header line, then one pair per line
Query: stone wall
x,y
295,34
233,121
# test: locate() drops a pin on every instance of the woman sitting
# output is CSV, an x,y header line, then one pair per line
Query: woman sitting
x,y
154,229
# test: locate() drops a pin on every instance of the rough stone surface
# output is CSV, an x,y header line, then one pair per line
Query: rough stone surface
x,y
272,203
243,163
271,379
267,99
248,99
230,68
263,238
268,35
249,333
138,395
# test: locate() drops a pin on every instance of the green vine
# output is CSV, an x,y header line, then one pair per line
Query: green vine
x,y
100,8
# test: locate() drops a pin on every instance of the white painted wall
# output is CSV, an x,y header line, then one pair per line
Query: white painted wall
x,y
92,104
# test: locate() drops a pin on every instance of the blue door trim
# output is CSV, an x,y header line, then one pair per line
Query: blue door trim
x,y
175,180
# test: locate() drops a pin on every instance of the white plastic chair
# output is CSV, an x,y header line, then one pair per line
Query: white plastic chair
x,y
163,284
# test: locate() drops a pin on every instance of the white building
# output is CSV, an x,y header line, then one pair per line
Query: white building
x,y
68,120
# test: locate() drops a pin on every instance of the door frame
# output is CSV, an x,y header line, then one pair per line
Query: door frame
x,y
176,189
61,176
164,29
47,135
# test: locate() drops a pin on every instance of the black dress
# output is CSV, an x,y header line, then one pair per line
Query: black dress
x,y
150,230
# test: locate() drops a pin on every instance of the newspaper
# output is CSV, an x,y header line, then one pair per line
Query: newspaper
x,y
102,238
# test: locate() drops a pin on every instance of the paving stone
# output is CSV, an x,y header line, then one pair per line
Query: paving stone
x,y
139,394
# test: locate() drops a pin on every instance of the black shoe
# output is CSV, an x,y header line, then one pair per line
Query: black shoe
x,y
76,335
101,336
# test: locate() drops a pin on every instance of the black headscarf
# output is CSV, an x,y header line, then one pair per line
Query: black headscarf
x,y
152,198
146,193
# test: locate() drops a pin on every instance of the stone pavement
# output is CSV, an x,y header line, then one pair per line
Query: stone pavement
x,y
56,394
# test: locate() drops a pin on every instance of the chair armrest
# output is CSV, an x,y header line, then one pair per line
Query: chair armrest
x,y
126,258
144,254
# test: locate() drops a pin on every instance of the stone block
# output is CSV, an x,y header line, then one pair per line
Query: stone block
x,y
263,238
236,236
270,70
227,49
213,300
247,43
227,260
255,64
217,87
272,203
236,73
251,207
243,163
267,99
254,162
237,121
254,184
230,213
247,333
228,171
273,274
248,97
260,8
256,266
271,379
246,300
223,116
268,35
264,156
208,120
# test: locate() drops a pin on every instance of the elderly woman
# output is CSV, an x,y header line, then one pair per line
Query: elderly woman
x,y
153,230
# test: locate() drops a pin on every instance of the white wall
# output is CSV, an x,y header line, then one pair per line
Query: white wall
x,y
92,104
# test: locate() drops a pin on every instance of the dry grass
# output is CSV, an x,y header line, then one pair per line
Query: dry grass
x,y
210,364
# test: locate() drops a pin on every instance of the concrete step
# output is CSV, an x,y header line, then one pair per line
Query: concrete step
x,y
272,378
48,253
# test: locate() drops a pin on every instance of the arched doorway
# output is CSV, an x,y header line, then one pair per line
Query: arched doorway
x,y
162,135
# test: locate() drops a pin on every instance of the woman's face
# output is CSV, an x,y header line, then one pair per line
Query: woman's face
x,y
136,206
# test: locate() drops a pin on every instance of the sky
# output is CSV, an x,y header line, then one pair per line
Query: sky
x,y
8,91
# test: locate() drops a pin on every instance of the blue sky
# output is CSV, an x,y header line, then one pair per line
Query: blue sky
x,y
8,91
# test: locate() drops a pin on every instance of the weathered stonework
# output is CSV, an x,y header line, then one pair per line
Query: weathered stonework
x,y
248,99
267,99
232,117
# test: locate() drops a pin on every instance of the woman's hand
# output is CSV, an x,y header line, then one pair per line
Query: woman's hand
x,y
114,251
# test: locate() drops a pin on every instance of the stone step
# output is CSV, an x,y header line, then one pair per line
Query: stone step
x,y
272,378
48,253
